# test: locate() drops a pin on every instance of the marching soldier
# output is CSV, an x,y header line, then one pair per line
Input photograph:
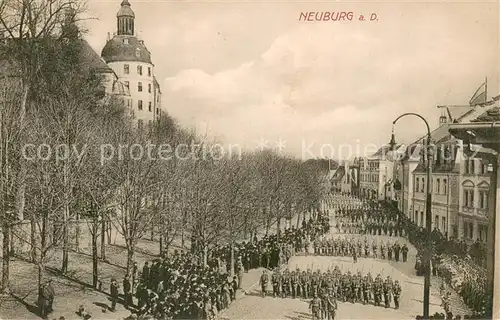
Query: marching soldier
x,y
396,291
324,304
264,279
397,249
331,306
276,280
377,287
315,306
354,256
374,247
404,250
367,249
387,292
304,284
294,280
382,250
285,284
389,251
367,287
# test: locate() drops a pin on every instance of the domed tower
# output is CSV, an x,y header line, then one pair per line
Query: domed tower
x,y
125,18
131,61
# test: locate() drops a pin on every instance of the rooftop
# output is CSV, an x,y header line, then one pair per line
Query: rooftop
x,y
125,48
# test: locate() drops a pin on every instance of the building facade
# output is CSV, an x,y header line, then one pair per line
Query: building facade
x,y
460,183
130,60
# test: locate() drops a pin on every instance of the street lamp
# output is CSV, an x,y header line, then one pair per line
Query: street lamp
x,y
428,209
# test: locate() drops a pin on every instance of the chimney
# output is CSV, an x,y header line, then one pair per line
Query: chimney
x,y
109,36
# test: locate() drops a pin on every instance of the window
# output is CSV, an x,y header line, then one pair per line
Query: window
x,y
138,53
483,199
421,218
469,166
445,187
139,70
149,87
483,232
417,185
422,186
471,231
484,168
436,222
149,71
127,84
150,105
438,186
139,86
469,198
443,224
139,104
126,69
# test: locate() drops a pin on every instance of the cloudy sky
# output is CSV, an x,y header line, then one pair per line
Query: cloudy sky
x,y
250,71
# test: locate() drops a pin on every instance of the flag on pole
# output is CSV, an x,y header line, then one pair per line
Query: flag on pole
x,y
479,96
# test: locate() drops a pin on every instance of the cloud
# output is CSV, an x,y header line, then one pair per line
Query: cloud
x,y
341,84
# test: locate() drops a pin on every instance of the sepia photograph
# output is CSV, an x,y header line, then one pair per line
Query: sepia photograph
x,y
249,159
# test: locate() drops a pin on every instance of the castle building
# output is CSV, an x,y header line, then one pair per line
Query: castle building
x,y
131,61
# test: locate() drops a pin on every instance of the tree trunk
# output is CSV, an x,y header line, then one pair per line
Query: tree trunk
x,y
65,255
161,245
41,276
95,227
33,240
43,252
65,249
103,238
205,254
152,237
278,228
108,231
6,257
232,258
130,256
77,232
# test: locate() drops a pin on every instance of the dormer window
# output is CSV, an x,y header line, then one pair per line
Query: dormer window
x,y
138,53
125,41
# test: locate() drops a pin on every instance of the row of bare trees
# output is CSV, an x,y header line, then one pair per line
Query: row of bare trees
x,y
69,155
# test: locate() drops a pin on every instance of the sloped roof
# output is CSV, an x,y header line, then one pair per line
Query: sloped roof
x,y
125,48
383,150
92,59
441,166
88,58
156,84
457,113
492,115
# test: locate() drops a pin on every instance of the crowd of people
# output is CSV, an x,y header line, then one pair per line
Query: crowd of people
x,y
179,286
344,286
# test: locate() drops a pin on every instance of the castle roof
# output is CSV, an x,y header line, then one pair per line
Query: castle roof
x,y
125,10
125,48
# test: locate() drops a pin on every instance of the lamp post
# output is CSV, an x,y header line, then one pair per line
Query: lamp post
x,y
428,208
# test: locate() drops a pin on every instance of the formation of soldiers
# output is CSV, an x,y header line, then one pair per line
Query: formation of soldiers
x,y
272,251
344,286
358,247
181,286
